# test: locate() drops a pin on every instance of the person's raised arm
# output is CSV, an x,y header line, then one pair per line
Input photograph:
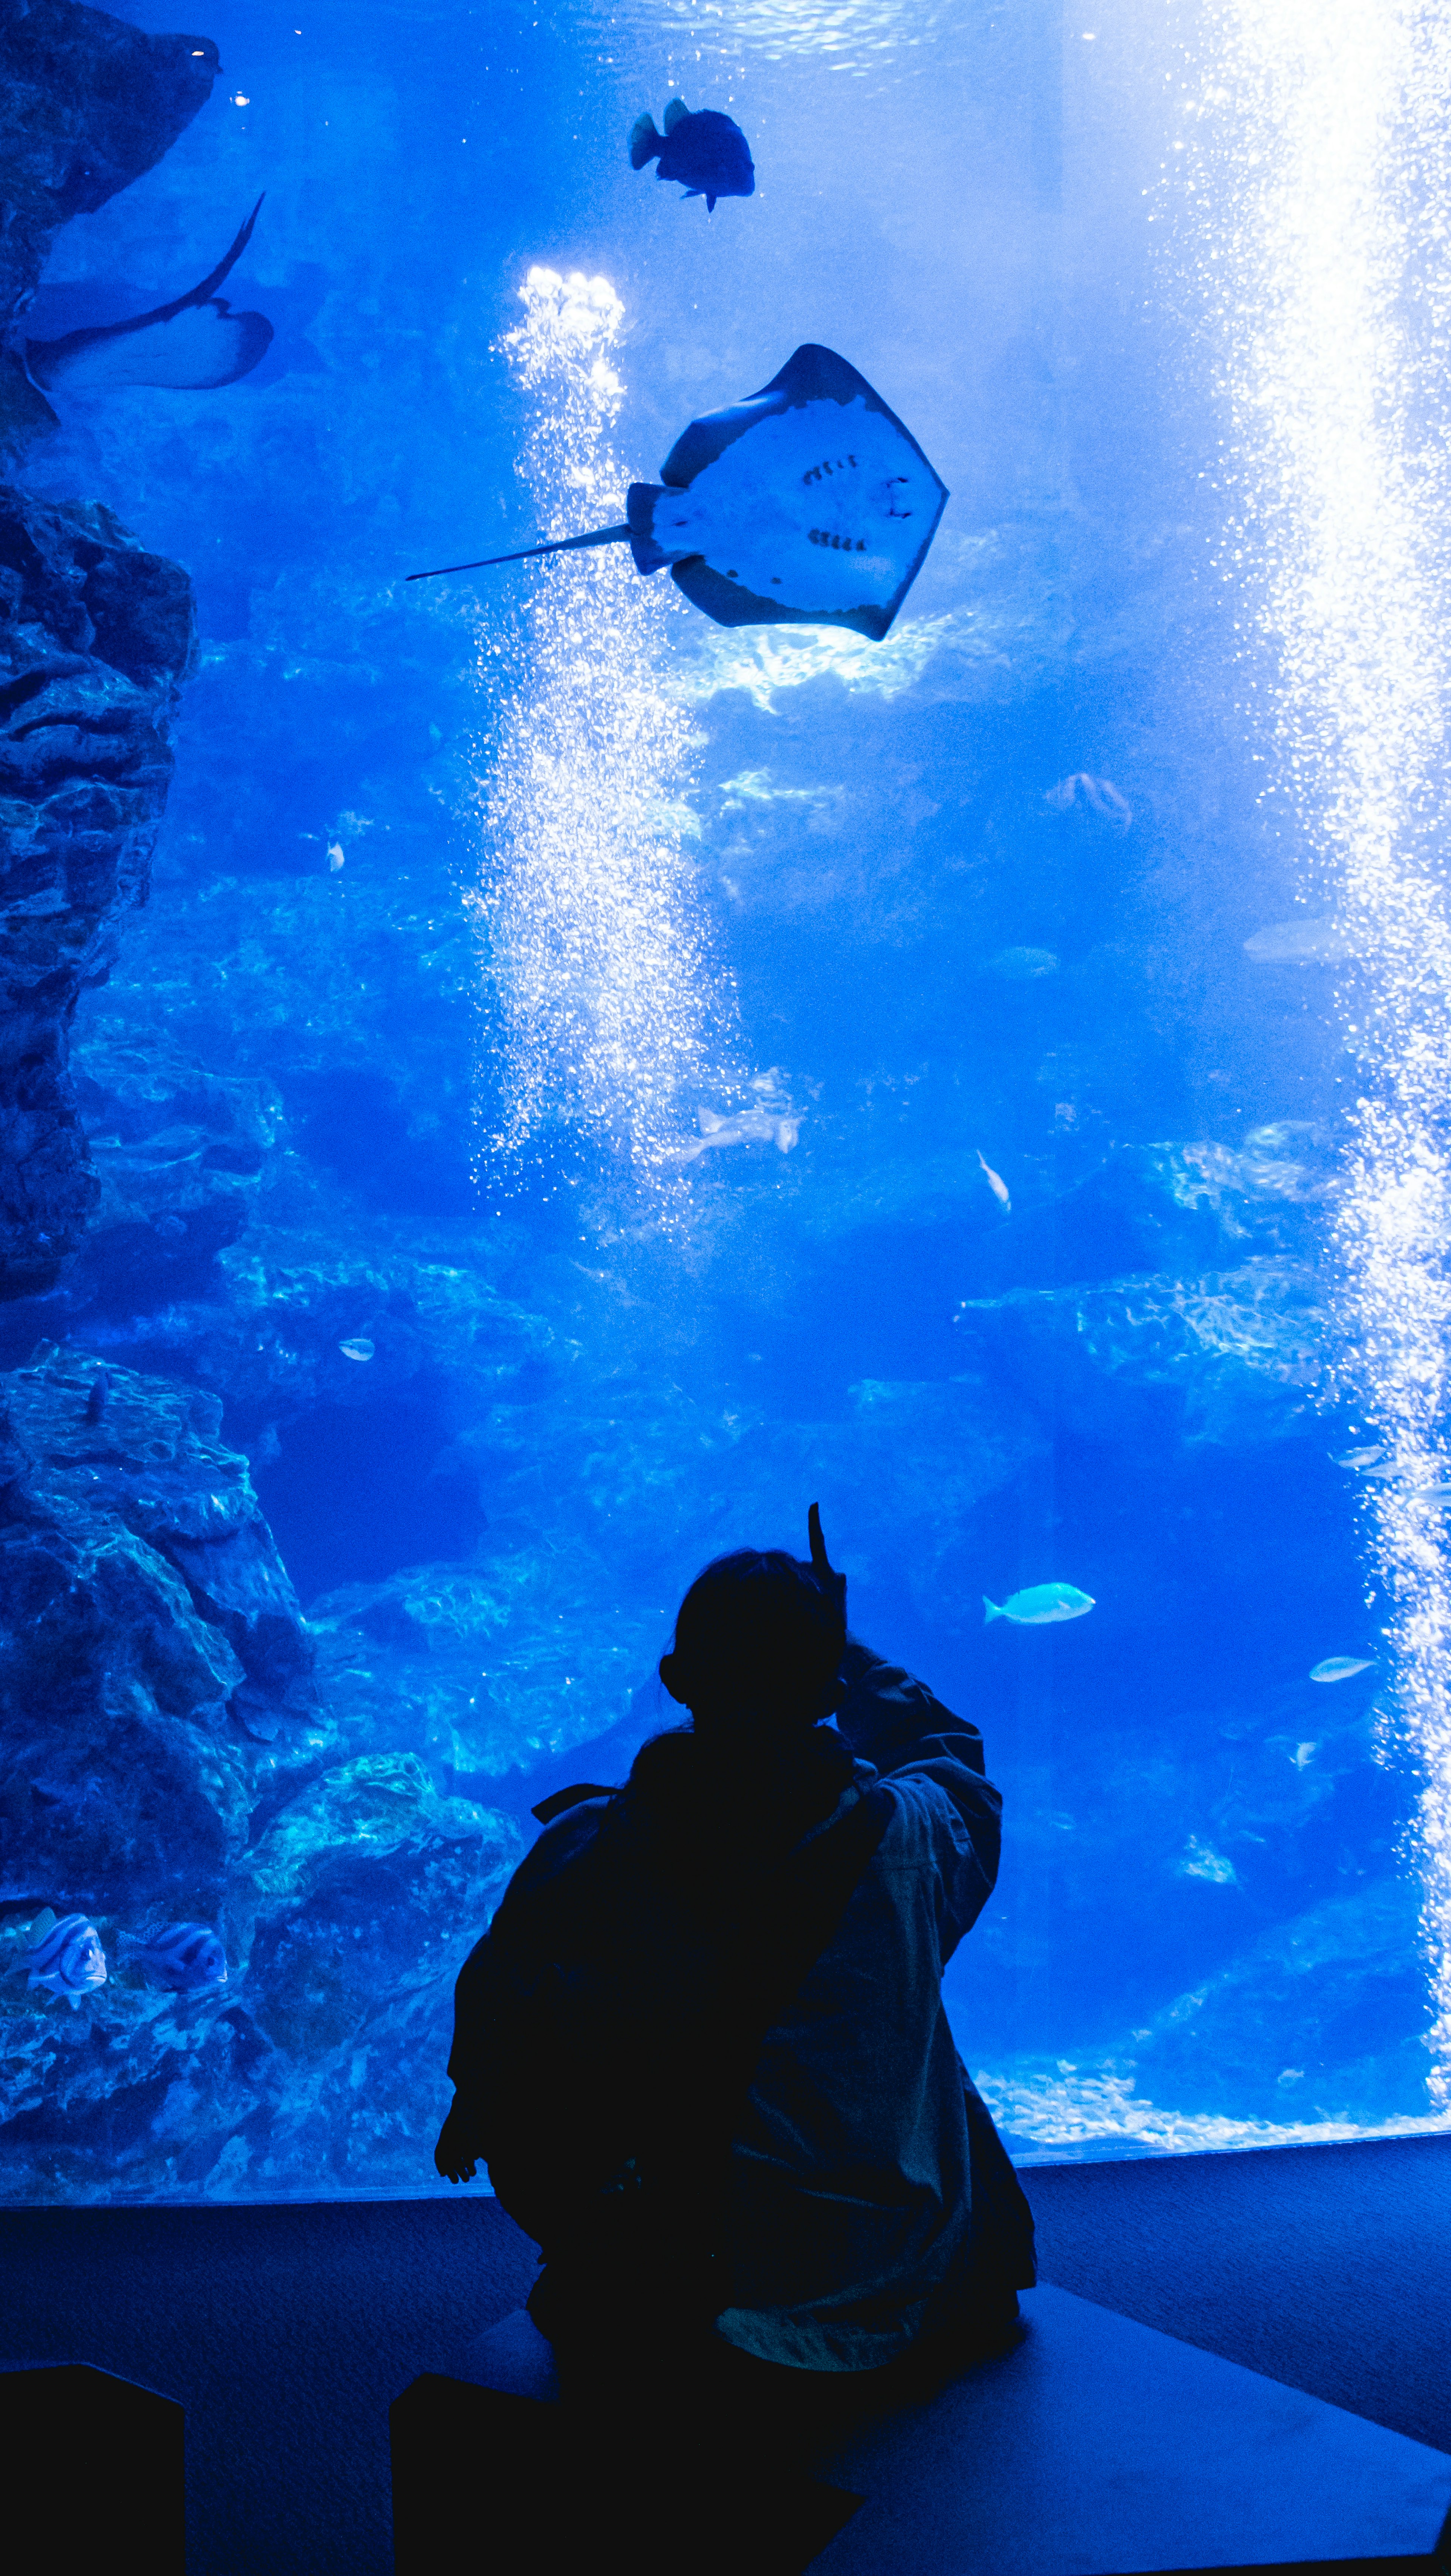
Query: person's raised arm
x,y
895,1722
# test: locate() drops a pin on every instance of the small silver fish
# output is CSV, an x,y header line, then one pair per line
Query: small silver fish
x,y
185,1956
1100,793
1304,942
65,1955
335,858
759,1126
1339,1668
995,1183
361,1349
1358,1458
1041,1606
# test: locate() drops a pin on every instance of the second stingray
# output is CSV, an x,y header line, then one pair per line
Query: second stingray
x,y
195,341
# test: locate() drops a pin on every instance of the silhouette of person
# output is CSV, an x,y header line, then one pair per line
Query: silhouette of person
x,y
703,2050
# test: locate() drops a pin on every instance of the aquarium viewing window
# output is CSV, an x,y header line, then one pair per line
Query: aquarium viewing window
x,y
513,1084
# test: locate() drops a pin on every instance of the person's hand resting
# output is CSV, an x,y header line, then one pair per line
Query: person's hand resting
x,y
455,2157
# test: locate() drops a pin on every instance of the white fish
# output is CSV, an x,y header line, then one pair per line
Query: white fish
x,y
1298,943
1042,1605
361,1349
1359,1458
1100,793
1022,965
1341,1668
66,1956
1388,1473
335,856
995,1183
757,1126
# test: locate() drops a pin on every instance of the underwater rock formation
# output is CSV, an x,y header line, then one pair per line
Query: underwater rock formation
x,y
87,104
148,1631
1234,1357
96,637
149,1637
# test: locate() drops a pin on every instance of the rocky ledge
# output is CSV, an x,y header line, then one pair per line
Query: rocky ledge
x,y
163,1761
96,638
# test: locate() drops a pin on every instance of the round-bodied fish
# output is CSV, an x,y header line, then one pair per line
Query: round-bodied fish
x,y
705,151
1042,1605
186,1956
65,1955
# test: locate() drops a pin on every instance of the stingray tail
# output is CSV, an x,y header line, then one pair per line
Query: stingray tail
x,y
646,142
618,536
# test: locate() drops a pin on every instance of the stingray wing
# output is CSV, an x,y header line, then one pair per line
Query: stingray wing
x,y
195,341
208,345
809,503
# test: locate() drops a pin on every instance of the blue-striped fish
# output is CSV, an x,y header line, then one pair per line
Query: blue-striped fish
x,y
185,1956
65,1955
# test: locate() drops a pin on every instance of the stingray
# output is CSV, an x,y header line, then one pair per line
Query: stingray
x,y
196,341
808,504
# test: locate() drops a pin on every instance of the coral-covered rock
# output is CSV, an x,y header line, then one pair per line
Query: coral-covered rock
x,y
148,1638
96,636
148,1632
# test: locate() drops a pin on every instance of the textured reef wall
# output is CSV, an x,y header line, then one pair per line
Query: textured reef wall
x,y
96,637
163,1761
96,634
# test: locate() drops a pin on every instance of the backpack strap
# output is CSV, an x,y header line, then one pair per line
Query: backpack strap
x,y
549,1808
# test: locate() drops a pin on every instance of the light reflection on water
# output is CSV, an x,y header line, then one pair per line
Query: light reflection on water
x,y
853,36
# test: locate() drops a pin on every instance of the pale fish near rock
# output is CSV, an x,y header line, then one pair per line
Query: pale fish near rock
x,y
361,1349
1341,1668
65,1955
1043,1605
185,1956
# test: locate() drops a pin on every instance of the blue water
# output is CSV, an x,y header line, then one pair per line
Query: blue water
x,y
471,897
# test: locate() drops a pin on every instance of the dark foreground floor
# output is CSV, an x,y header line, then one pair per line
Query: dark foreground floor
x,y
286,2332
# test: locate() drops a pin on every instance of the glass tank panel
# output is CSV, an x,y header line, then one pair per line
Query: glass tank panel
x,y
515,1083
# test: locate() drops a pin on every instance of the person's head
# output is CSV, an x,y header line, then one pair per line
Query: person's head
x,y
758,1645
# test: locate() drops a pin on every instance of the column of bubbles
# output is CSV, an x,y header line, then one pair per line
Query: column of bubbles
x,y
1316,175
615,1014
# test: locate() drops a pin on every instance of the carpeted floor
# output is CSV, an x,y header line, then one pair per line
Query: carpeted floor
x,y
286,2332
1326,2267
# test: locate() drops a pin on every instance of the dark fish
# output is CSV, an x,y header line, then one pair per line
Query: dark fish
x,y
66,1956
707,152
96,1400
197,341
185,1956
